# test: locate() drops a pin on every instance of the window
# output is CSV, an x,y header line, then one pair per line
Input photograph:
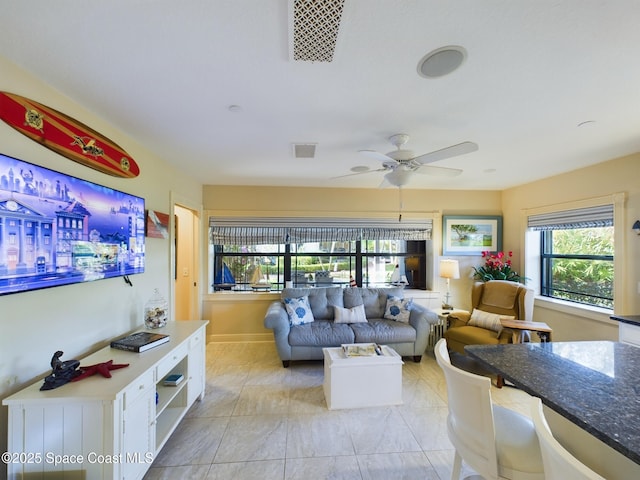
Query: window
x,y
577,265
246,256
577,255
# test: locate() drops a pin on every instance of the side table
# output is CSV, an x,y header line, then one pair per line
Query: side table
x,y
437,330
542,329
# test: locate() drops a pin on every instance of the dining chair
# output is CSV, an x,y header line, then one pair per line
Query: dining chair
x,y
559,464
496,442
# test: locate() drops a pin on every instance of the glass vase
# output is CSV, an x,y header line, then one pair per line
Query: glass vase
x,y
156,311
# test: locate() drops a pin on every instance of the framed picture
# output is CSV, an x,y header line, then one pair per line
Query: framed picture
x,y
471,234
157,224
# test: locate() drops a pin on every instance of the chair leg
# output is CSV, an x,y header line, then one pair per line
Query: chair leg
x,y
285,363
457,467
417,358
499,381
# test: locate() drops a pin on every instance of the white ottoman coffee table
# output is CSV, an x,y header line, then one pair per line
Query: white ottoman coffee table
x,y
367,381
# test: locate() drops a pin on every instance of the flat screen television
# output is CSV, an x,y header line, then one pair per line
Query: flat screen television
x,y
56,229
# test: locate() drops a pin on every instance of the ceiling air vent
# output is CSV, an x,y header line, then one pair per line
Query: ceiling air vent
x,y
304,150
315,29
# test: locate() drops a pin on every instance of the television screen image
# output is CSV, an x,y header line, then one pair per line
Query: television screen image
x,y
56,229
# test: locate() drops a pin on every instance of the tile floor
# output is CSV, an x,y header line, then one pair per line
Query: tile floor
x,y
259,420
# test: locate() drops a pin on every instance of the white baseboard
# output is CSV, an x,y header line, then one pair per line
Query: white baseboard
x,y
240,338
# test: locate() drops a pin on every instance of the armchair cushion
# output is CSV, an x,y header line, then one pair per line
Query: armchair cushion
x,y
482,319
500,295
490,321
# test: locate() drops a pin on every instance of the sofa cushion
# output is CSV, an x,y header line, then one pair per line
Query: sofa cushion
x,y
383,331
373,299
298,310
349,315
321,300
321,333
398,309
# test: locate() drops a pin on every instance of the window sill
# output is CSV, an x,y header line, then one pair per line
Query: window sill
x,y
593,313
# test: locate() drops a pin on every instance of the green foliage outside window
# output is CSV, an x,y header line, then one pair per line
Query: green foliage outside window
x,y
581,265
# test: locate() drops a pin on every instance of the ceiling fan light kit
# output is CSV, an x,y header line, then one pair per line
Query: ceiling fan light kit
x,y
401,164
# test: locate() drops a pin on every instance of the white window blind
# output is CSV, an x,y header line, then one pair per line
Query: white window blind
x,y
255,231
589,217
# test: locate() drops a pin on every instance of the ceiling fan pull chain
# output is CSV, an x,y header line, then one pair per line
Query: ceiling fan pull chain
x,y
400,208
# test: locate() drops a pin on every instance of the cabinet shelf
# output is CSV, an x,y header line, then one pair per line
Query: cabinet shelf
x,y
166,423
166,394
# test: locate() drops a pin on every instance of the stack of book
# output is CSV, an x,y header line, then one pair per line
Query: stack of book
x,y
140,342
173,379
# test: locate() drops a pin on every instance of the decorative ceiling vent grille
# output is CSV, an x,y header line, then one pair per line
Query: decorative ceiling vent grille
x,y
315,29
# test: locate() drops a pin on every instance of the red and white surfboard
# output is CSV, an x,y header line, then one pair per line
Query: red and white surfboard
x,y
66,136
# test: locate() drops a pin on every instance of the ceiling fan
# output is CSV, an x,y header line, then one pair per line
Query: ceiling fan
x,y
401,164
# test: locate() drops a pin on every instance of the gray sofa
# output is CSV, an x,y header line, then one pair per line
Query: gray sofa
x,y
305,342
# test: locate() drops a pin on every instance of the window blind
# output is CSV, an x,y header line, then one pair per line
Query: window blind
x,y
256,231
590,217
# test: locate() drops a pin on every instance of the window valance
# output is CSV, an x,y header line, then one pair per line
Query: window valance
x,y
590,217
254,231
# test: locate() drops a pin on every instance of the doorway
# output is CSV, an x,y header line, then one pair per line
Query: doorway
x,y
186,263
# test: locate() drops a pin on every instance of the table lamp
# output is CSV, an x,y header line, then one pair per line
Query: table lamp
x,y
448,269
412,264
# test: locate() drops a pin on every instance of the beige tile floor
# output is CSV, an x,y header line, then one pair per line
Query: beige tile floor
x,y
259,420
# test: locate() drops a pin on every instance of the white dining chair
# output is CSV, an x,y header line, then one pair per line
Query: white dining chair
x,y
496,442
559,464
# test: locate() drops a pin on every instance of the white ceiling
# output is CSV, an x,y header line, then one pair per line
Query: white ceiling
x,y
167,71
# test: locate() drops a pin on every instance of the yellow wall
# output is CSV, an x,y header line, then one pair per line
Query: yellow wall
x,y
240,316
244,318
607,178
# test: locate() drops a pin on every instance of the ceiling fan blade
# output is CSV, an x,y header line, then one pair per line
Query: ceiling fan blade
x,y
381,157
361,173
448,152
438,171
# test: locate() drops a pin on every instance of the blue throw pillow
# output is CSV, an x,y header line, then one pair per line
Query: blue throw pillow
x,y
298,310
398,309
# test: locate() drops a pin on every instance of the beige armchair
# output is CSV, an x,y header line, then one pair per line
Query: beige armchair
x,y
501,297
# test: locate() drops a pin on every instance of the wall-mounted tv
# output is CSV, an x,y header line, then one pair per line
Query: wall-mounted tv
x,y
56,229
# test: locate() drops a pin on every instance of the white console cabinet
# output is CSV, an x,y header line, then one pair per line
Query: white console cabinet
x,y
107,428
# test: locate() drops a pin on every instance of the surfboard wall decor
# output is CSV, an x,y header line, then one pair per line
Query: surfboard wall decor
x,y
66,136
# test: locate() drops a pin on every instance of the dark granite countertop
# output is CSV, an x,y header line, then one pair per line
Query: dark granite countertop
x,y
631,319
596,385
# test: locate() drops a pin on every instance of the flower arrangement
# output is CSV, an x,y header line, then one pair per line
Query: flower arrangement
x,y
497,266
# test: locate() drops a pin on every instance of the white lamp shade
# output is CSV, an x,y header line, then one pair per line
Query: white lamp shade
x,y
449,268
